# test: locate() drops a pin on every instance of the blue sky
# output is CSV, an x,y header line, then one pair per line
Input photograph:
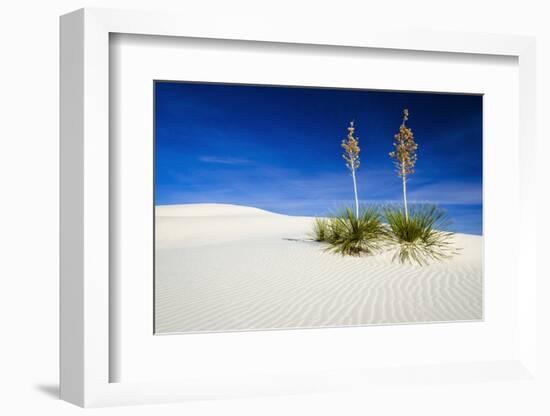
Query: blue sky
x,y
278,148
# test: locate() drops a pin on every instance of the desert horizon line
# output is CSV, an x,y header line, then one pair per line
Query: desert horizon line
x,y
460,229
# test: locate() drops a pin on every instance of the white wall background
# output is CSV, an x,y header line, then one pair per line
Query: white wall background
x,y
29,208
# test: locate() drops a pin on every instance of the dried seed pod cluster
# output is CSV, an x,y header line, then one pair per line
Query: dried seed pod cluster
x,y
405,149
351,149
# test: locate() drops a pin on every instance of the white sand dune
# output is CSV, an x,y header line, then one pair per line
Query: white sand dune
x,y
226,267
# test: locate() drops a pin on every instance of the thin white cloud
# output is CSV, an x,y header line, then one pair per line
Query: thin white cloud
x,y
225,160
448,192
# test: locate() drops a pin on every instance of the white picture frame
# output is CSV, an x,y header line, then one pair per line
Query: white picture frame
x,y
85,208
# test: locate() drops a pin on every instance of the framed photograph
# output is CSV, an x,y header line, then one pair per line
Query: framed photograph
x,y
281,212
282,207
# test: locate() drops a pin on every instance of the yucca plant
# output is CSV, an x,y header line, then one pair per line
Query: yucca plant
x,y
321,230
356,235
420,237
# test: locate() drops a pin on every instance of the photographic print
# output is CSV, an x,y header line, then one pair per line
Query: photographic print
x,y
281,207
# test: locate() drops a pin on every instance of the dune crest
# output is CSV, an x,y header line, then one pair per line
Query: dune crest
x,y
208,210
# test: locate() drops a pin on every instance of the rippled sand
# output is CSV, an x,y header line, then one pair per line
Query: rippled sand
x,y
232,268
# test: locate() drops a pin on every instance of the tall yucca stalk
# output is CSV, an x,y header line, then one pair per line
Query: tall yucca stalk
x,y
351,156
404,156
